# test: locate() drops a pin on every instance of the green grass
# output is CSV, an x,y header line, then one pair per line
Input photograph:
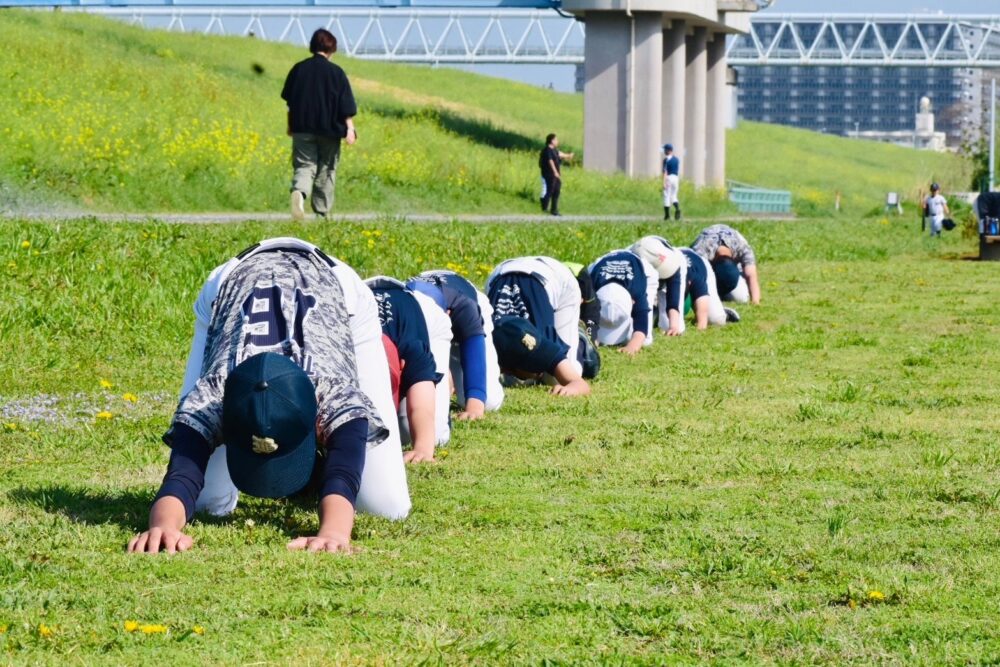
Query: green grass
x,y
124,119
815,484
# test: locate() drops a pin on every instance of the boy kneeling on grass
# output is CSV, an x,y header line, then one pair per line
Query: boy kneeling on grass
x,y
273,403
536,323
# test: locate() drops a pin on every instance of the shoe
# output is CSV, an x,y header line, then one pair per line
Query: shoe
x,y
666,212
677,212
298,205
731,315
557,214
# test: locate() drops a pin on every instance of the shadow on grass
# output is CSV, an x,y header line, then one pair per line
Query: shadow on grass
x,y
478,131
130,508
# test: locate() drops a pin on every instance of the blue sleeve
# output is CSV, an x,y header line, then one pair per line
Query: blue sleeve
x,y
185,478
345,460
473,353
640,313
466,319
675,293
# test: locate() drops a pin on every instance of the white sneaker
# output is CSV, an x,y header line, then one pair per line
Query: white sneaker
x,y
298,205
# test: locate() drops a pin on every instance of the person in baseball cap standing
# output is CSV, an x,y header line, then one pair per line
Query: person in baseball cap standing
x,y
273,402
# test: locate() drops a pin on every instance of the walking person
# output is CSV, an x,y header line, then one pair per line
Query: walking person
x,y
937,208
671,182
550,164
321,110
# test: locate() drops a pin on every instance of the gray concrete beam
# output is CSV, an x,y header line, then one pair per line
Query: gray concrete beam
x,y
674,64
695,107
718,112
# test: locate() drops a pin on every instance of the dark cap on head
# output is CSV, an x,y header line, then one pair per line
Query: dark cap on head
x,y
667,148
727,274
521,347
269,426
935,187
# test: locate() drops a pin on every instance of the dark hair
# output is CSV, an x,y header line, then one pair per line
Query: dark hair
x,y
549,138
323,41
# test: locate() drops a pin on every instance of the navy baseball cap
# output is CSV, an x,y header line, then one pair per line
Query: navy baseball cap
x,y
668,147
269,426
521,347
727,274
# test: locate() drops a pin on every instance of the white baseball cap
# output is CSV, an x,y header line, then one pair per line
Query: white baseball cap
x,y
659,254
615,327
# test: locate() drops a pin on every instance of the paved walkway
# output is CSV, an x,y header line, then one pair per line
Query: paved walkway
x,y
223,218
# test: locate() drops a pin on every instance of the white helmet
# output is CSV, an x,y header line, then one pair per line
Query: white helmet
x,y
659,254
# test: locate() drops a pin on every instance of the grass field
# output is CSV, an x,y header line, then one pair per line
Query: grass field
x,y
817,484
124,119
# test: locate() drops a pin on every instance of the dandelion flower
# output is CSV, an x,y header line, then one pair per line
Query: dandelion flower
x,y
106,384
876,596
25,244
104,414
153,629
44,630
131,626
130,397
198,630
10,426
3,629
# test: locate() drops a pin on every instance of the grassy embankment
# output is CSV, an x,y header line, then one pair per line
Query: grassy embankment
x,y
118,118
815,484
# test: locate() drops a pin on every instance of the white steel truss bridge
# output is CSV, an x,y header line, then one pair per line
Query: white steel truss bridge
x,y
877,40
532,36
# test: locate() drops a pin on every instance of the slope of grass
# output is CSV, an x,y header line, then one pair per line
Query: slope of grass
x,y
120,118
815,484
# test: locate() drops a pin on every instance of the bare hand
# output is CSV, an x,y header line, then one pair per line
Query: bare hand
x,y
674,332
352,136
151,541
630,350
419,456
329,543
578,387
474,409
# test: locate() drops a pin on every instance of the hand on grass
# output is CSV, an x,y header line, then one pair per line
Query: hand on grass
x,y
419,455
474,409
153,540
330,543
578,387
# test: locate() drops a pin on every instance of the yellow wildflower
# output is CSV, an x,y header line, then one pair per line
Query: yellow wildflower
x,y
131,626
852,604
130,397
44,630
104,414
3,629
10,426
876,596
153,629
106,384
198,630
25,244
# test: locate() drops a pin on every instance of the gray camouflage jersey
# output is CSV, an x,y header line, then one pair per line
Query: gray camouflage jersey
x,y
708,242
287,302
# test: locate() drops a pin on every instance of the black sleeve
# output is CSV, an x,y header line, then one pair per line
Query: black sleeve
x,y
590,307
345,460
286,90
348,107
185,478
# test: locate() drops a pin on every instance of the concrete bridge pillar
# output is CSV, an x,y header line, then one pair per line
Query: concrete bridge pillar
x,y
696,107
674,64
621,93
718,112
655,71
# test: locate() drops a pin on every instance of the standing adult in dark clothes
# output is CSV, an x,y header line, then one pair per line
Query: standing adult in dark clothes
x,y
550,164
321,112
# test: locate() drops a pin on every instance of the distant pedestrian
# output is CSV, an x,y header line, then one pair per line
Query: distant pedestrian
x,y
671,182
550,164
321,110
937,208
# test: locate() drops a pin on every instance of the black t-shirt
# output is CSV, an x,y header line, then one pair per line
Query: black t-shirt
x,y
549,153
319,98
